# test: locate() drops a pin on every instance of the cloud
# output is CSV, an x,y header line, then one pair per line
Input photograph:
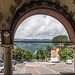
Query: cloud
x,y
40,27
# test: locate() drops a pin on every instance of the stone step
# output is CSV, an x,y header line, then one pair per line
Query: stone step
x,y
67,73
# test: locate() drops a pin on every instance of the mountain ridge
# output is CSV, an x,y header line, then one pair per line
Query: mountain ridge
x,y
33,46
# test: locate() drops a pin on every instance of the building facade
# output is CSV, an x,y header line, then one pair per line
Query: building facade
x,y
1,54
55,51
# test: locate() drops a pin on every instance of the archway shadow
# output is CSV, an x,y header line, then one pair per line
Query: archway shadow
x,y
36,74
24,74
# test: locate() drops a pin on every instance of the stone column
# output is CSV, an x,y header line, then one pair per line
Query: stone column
x,y
73,47
74,56
8,60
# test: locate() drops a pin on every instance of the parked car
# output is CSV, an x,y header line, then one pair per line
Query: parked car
x,y
14,62
1,61
25,62
68,61
2,67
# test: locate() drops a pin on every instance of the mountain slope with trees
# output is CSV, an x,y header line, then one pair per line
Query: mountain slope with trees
x,y
33,46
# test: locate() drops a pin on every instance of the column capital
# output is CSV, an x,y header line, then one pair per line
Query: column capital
x,y
7,45
6,34
6,37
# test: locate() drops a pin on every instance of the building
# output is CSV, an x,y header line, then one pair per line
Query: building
x,y
1,53
55,57
55,51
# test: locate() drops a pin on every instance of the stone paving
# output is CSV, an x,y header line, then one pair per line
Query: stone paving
x,y
38,68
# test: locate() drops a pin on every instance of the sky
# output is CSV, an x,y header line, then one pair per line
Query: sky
x,y
40,27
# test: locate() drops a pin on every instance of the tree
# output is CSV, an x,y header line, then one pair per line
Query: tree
x,y
40,54
46,54
34,56
17,53
66,53
27,55
59,38
49,50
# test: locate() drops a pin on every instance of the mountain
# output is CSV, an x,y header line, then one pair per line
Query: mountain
x,y
32,46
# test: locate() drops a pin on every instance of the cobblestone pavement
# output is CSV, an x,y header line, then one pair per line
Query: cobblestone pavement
x,y
34,68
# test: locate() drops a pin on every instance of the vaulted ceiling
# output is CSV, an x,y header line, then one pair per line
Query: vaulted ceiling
x,y
8,9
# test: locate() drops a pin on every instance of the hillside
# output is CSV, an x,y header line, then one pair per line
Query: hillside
x,y
32,46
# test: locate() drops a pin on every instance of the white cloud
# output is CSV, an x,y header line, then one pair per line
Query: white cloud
x,y
40,27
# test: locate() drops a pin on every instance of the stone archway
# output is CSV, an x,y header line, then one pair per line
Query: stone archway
x,y
52,13
35,7
47,8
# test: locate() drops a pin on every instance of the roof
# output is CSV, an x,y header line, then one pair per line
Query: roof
x,y
59,46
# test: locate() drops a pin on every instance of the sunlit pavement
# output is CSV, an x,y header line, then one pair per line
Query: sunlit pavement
x,y
35,68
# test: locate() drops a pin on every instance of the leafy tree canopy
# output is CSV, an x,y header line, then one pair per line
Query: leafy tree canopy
x,y
27,55
17,53
59,38
34,56
48,48
40,54
66,53
48,51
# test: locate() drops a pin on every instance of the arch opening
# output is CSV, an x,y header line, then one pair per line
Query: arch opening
x,y
40,25
53,56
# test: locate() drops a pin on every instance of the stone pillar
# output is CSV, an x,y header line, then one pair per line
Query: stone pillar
x,y
73,47
74,56
8,60
7,43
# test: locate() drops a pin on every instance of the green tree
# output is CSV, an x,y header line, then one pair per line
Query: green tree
x,y
59,38
66,53
46,54
49,50
40,54
17,53
34,56
27,55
